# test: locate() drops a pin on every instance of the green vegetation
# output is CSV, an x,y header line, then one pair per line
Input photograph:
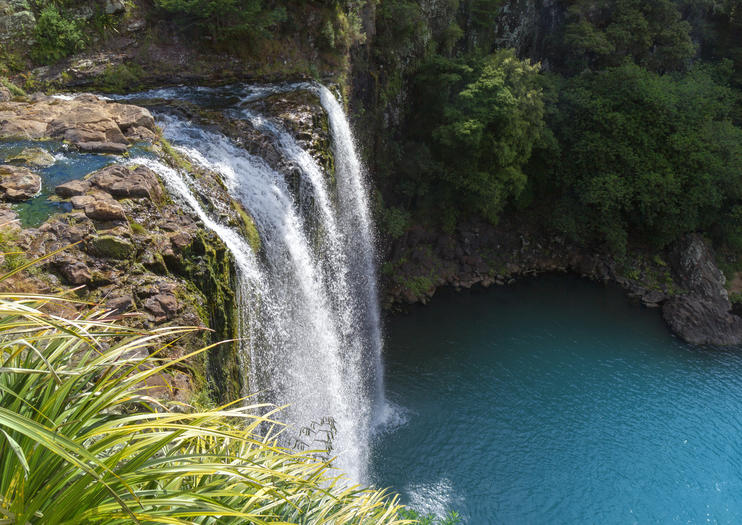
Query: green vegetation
x,y
56,36
485,116
225,21
14,90
628,137
652,34
452,518
120,78
642,156
83,439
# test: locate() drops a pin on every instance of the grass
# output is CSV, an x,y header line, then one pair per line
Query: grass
x,y
451,518
14,90
83,438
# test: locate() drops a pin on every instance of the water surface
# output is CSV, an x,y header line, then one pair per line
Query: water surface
x,y
558,400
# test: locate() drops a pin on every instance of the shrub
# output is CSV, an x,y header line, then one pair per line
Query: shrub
x,y
226,22
56,36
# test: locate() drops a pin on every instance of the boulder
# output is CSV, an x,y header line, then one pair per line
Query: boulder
x,y
75,272
90,123
701,315
79,202
18,184
128,117
120,305
105,210
126,182
181,240
112,247
72,188
162,306
34,157
5,94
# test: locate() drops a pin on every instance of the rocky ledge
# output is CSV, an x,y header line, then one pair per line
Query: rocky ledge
x,y
125,245
684,280
90,123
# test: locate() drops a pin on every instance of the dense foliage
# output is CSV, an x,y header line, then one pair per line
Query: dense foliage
x,y
484,115
630,133
56,36
641,155
224,20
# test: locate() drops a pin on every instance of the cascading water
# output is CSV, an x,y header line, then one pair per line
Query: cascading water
x,y
355,216
308,302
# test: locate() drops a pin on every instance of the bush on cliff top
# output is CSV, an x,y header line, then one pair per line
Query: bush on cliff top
x,y
56,36
225,22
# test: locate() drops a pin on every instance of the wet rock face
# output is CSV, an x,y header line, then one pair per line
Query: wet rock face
x,y
526,25
17,22
702,314
90,123
690,289
18,184
34,157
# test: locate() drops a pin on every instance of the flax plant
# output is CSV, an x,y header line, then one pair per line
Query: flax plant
x,y
84,440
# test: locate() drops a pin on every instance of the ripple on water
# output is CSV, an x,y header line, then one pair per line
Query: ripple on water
x,y
559,401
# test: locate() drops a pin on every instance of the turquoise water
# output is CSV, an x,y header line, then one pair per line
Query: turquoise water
x,y
558,400
70,164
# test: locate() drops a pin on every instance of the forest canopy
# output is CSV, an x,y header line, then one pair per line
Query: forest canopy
x,y
621,127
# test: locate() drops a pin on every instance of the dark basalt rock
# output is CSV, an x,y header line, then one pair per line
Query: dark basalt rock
x,y
702,315
689,286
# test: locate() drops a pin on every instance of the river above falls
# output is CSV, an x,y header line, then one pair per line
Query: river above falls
x,y
558,400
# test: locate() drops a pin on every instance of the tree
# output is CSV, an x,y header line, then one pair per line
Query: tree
x,y
652,34
643,156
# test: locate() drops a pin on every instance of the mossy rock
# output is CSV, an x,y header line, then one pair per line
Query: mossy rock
x,y
34,157
113,247
249,230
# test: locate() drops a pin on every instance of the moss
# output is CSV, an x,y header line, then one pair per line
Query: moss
x,y
171,155
248,227
113,247
208,266
14,90
120,78
419,285
138,228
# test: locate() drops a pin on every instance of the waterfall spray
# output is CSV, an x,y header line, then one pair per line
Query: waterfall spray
x,y
314,339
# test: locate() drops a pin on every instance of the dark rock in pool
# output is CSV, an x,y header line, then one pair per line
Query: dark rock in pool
x,y
102,147
703,314
18,184
34,157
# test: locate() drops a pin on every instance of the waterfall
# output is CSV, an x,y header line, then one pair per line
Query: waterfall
x,y
308,301
355,216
